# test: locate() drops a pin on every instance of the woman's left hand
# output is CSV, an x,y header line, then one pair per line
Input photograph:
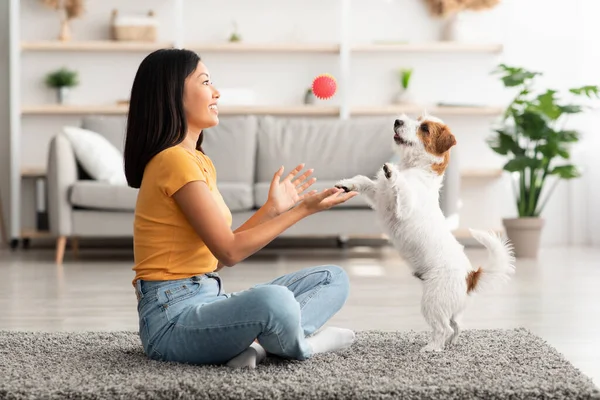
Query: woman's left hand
x,y
283,195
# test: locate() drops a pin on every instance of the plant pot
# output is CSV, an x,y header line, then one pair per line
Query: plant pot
x,y
309,97
525,234
403,96
62,94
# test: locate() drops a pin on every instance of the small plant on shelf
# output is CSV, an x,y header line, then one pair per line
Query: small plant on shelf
x,y
309,96
62,80
533,138
404,75
404,94
235,35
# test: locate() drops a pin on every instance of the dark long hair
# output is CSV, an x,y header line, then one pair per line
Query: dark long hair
x,y
156,119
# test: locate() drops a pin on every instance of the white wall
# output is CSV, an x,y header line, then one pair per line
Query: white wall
x,y
555,37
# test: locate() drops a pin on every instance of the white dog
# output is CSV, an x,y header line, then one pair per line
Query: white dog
x,y
406,199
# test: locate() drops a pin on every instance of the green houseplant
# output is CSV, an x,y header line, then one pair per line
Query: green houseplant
x,y
62,80
533,138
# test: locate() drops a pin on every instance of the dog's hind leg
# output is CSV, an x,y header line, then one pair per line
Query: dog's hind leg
x,y
441,331
437,316
437,309
455,324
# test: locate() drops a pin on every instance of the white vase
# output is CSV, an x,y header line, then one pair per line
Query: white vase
x,y
450,30
403,96
62,94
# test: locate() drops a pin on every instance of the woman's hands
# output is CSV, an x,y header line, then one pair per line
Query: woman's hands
x,y
285,194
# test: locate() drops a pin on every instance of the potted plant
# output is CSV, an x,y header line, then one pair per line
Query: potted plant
x,y
533,138
309,96
404,95
62,80
235,36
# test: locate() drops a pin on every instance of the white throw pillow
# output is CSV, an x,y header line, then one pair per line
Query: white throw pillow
x,y
100,159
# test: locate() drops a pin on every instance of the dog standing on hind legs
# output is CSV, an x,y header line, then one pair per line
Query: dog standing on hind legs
x,y
406,200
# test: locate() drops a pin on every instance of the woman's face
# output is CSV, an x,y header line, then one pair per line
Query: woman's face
x,y
200,100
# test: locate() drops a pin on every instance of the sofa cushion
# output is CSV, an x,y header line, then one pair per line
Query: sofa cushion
x,y
261,194
231,145
103,196
100,159
237,196
335,148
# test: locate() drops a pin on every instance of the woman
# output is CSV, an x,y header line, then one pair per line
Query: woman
x,y
182,236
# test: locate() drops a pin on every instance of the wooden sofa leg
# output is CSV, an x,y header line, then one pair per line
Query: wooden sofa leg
x,y
61,244
75,246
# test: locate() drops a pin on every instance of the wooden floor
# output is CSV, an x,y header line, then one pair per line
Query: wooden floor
x,y
557,297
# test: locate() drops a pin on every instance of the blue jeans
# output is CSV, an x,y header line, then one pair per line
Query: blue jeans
x,y
194,321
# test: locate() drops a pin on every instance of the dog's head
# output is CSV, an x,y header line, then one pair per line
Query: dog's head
x,y
424,142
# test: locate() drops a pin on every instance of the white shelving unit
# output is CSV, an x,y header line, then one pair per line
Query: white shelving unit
x,y
344,50
307,110
93,46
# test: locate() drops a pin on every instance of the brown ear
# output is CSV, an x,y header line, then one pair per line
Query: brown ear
x,y
444,141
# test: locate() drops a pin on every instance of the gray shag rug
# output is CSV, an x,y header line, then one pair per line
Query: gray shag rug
x,y
485,364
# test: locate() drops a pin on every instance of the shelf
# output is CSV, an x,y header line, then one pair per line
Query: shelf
x,y
33,172
433,110
481,173
242,47
56,109
432,47
95,45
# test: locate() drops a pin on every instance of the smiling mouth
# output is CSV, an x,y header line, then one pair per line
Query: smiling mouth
x,y
213,107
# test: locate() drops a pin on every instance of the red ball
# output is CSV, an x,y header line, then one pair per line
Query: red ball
x,y
324,86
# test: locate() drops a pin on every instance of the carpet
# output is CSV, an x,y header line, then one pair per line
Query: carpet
x,y
485,364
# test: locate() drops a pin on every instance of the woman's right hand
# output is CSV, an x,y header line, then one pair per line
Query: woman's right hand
x,y
324,200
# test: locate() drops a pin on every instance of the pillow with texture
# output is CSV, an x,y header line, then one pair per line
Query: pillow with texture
x,y
97,156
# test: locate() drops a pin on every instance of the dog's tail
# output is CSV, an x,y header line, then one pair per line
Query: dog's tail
x,y
499,266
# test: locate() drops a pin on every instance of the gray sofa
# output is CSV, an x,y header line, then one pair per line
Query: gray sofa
x,y
246,151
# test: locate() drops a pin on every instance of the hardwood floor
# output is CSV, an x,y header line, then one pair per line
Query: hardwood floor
x,y
556,297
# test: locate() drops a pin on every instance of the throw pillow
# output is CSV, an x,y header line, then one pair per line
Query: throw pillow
x,y
97,156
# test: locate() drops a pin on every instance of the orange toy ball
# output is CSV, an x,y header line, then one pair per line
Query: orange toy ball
x,y
324,86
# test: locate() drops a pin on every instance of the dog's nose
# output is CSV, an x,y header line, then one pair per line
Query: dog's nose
x,y
398,123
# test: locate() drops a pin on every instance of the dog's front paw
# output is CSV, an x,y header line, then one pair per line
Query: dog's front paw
x,y
346,184
387,170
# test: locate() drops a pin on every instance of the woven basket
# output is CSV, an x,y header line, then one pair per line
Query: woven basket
x,y
137,29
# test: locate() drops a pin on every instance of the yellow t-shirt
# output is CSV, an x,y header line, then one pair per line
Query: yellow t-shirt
x,y
165,244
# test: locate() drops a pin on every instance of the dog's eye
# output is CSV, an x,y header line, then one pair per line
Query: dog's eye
x,y
425,128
